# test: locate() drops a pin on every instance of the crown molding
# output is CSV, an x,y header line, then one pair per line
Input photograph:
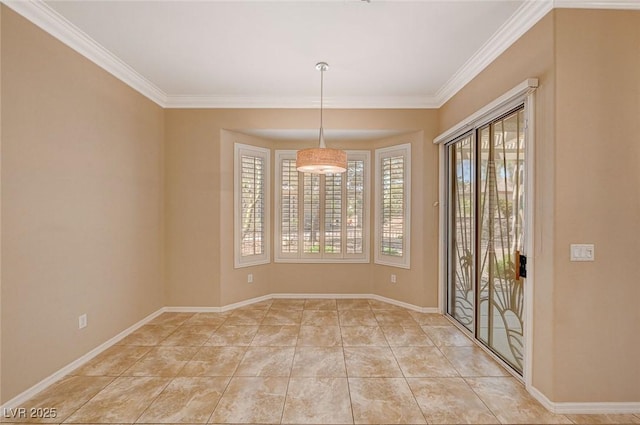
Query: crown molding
x,y
355,102
521,21
39,13
602,4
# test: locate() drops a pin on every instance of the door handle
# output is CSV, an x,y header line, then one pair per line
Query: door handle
x,y
521,265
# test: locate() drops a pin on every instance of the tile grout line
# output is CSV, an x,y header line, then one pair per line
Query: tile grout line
x,y
495,414
171,378
404,377
346,370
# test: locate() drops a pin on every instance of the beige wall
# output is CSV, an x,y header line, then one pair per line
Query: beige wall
x,y
586,315
81,205
0,205
199,196
597,313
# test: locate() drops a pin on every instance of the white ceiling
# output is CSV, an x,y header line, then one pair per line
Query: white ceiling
x,y
382,53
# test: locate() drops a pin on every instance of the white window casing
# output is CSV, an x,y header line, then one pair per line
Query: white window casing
x,y
252,204
393,206
322,219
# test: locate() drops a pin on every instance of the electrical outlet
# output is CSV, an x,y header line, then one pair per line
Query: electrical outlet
x,y
393,278
82,321
250,278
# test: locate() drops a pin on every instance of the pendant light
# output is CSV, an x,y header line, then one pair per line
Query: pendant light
x,y
321,160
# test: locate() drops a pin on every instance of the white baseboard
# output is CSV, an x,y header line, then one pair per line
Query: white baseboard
x,y
61,373
577,408
245,303
405,305
250,301
192,309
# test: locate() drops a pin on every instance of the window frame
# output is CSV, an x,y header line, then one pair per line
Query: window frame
x,y
322,257
403,261
240,260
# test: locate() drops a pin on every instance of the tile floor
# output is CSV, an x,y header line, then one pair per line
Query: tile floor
x,y
296,361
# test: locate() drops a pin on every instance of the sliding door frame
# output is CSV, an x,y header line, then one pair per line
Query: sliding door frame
x,y
523,93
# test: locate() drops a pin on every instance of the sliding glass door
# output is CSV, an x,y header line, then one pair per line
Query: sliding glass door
x,y
486,216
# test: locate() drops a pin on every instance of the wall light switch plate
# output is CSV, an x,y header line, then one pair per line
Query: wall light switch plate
x,y
583,252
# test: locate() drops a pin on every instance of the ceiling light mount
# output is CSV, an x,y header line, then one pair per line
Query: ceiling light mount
x,y
321,160
322,66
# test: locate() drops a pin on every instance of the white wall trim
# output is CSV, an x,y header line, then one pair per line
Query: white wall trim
x,y
529,246
601,4
240,149
302,102
405,305
186,309
244,303
250,301
403,150
43,16
521,21
472,120
61,373
577,408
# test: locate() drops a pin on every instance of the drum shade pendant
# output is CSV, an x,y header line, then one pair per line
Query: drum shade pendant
x,y
321,160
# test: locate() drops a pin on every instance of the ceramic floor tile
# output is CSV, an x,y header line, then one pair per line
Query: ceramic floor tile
x,y
320,304
162,361
283,317
214,361
320,318
394,318
383,401
511,404
354,336
246,317
604,419
371,362
186,400
353,304
233,335
357,318
406,336
430,319
316,362
65,396
206,319
252,400
423,362
472,361
319,336
290,304
266,361
447,336
189,336
113,361
148,335
449,401
276,336
122,401
317,401
171,319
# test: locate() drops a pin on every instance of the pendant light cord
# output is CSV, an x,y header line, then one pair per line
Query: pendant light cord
x,y
322,145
